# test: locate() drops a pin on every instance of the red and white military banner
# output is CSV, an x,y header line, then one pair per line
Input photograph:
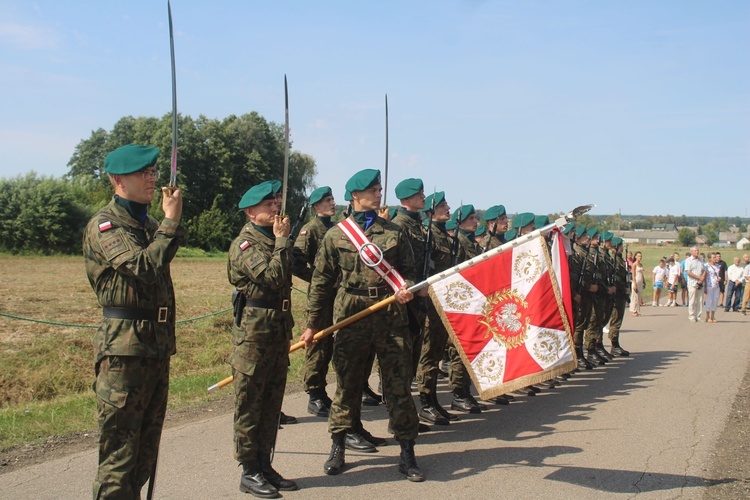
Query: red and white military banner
x,y
507,319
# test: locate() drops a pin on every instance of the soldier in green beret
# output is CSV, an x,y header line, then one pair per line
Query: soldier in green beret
x,y
436,336
260,267
598,291
410,193
621,298
496,221
306,246
354,252
523,223
127,255
583,289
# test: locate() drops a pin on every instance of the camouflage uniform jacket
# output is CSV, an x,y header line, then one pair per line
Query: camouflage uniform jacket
x,y
306,247
411,225
608,269
471,248
621,276
577,261
127,264
338,256
495,240
260,267
440,256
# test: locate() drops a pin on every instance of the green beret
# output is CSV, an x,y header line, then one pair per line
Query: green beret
x,y
408,187
466,210
439,198
264,191
522,220
567,228
363,179
480,230
616,241
131,158
510,234
540,221
319,194
450,225
494,212
607,236
392,212
580,231
592,232
347,195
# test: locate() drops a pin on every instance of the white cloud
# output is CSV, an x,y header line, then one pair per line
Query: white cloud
x,y
27,37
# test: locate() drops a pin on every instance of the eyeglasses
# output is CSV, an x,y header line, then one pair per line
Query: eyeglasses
x,y
150,173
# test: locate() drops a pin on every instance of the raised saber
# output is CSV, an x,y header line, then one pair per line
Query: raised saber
x,y
173,174
559,223
286,148
385,187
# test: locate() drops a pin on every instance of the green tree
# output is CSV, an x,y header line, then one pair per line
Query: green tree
x,y
686,237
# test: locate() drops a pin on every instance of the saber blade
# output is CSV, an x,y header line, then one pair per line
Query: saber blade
x,y
173,175
286,148
385,187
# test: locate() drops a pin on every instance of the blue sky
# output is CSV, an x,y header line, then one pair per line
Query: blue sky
x,y
638,106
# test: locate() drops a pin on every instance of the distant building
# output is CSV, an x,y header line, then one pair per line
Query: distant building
x,y
664,227
741,243
643,237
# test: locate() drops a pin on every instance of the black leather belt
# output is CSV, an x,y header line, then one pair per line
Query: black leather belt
x,y
373,292
278,304
160,315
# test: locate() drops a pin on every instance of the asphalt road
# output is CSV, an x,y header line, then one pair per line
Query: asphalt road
x,y
643,426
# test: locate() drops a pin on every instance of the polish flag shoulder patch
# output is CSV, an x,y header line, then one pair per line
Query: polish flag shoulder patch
x,y
303,233
105,226
245,245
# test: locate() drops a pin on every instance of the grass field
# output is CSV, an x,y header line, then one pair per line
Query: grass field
x,y
46,369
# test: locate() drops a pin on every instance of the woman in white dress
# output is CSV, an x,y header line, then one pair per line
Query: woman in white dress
x,y
639,283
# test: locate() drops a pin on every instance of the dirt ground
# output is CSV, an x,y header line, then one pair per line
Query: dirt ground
x,y
728,475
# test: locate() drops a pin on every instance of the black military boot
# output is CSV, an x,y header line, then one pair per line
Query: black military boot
x,y
408,465
593,358
473,400
617,350
429,413
336,459
253,482
375,441
583,363
440,409
370,397
462,403
274,477
317,405
355,442
603,352
285,419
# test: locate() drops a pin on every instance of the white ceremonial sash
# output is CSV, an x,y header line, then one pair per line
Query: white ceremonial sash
x,y
371,254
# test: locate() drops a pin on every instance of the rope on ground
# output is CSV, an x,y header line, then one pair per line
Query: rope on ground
x,y
74,325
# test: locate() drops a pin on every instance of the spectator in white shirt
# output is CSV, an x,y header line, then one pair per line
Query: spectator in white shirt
x,y
673,280
735,286
713,290
660,272
696,275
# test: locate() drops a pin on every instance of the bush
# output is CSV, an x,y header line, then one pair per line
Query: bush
x,y
40,215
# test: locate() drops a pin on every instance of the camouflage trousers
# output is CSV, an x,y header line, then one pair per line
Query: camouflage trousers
x,y
599,316
618,313
317,359
582,318
351,348
257,402
131,396
417,317
433,348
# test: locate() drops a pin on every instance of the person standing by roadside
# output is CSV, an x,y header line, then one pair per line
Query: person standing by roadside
x,y
673,280
639,283
696,276
660,274
713,288
684,286
735,286
722,275
127,256
746,277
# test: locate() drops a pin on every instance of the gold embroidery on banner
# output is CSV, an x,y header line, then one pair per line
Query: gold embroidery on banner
x,y
489,367
504,315
527,267
547,347
457,295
